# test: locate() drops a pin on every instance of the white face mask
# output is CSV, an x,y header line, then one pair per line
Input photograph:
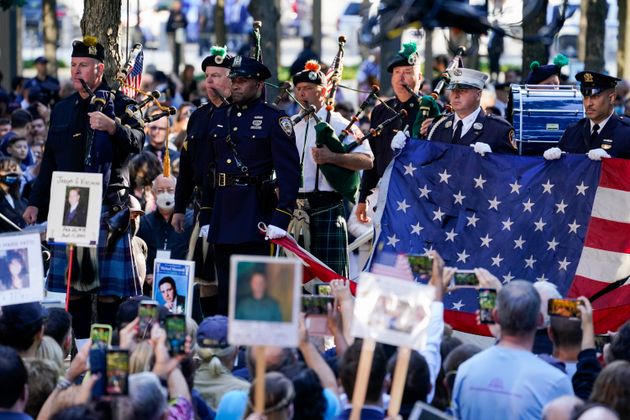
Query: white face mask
x,y
165,201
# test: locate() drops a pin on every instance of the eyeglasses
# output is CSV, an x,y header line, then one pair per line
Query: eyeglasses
x,y
155,128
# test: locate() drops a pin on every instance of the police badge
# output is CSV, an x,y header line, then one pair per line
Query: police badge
x,y
607,144
286,125
478,126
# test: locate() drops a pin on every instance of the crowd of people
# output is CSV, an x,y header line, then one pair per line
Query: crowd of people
x,y
197,186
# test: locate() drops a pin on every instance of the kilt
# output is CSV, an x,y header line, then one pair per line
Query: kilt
x,y
329,237
117,275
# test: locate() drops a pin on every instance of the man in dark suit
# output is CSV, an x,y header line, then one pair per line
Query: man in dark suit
x,y
75,211
469,125
602,134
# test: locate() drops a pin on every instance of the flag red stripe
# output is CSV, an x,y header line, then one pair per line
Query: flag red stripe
x,y
465,322
615,174
608,235
610,310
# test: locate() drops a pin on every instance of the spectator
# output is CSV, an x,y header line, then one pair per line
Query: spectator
x,y
561,408
156,229
49,350
17,148
46,85
348,366
214,377
148,398
16,95
612,387
32,171
42,378
178,133
594,411
12,205
417,384
59,327
508,373
588,366
542,342
619,348
176,32
279,394
442,395
143,169
5,126
22,327
566,336
39,129
189,84
450,365
156,137
20,127
13,385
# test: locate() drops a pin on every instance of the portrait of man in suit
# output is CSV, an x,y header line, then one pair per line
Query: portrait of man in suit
x,y
75,211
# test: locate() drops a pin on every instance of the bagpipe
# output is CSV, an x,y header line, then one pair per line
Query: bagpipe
x,y
428,107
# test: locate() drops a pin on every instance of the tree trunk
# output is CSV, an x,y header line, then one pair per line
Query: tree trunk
x,y
101,19
51,34
623,57
317,27
219,23
593,34
534,51
268,13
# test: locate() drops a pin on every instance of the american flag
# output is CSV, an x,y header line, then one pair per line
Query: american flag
x,y
134,78
392,265
565,221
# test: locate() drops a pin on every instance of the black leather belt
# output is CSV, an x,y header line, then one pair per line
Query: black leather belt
x,y
228,180
319,199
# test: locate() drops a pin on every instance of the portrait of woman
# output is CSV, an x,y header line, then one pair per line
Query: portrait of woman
x,y
17,269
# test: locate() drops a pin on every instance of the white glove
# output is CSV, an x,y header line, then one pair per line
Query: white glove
x,y
203,231
553,153
481,148
399,140
597,154
274,232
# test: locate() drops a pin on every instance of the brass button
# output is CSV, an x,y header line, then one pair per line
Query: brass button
x,y
229,161
235,128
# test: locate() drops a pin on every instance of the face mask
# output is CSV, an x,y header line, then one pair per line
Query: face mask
x,y
165,201
10,179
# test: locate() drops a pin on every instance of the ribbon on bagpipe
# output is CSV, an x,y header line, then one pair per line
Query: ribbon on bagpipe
x,y
313,267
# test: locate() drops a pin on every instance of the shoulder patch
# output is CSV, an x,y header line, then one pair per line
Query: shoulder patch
x,y
286,125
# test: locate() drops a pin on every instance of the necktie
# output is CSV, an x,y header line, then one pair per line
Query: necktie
x,y
457,133
594,134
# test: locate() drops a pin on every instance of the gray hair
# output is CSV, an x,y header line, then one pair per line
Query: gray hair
x,y
518,306
147,396
161,176
546,291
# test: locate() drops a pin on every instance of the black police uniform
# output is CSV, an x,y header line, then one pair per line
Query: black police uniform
x,y
614,137
249,142
495,131
381,144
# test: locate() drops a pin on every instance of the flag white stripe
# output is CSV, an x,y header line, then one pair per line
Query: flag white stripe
x,y
602,265
611,204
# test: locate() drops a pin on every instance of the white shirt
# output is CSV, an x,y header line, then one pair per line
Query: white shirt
x,y
601,124
305,141
466,122
9,200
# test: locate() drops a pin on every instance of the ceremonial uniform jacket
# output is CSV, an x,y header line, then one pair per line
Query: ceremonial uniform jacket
x,y
193,162
67,141
614,137
381,144
264,142
495,131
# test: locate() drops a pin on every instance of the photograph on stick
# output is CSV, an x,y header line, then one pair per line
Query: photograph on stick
x,y
392,311
75,208
264,301
21,268
173,285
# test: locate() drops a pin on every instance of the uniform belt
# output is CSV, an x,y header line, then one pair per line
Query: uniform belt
x,y
228,180
320,199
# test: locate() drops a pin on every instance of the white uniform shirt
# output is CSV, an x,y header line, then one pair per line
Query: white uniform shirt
x,y
305,141
466,122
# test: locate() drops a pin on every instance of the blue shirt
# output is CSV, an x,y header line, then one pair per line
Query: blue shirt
x,y
505,383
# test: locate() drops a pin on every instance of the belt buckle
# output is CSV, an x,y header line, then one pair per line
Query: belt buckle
x,y
222,179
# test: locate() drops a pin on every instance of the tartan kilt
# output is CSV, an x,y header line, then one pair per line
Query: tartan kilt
x,y
117,273
329,237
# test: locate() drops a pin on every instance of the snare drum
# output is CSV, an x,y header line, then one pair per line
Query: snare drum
x,y
540,114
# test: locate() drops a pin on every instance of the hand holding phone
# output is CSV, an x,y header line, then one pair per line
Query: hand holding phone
x,y
464,278
315,308
101,335
567,308
487,302
117,361
148,315
176,333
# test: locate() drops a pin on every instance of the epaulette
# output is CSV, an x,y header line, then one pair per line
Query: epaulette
x,y
270,106
624,121
499,120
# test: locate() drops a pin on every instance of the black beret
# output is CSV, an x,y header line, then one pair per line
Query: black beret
x,y
407,56
218,58
89,48
311,74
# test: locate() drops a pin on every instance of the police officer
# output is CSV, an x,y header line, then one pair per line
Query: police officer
x,y
405,70
469,123
67,149
250,140
602,133
318,198
193,169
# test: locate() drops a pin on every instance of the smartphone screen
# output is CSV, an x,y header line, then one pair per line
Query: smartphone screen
x,y
117,371
487,302
315,308
324,289
148,314
176,333
465,278
421,267
567,308
101,335
601,340
97,366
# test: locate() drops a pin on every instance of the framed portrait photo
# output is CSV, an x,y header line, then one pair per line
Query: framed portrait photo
x,y
173,285
265,295
74,216
21,268
392,311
